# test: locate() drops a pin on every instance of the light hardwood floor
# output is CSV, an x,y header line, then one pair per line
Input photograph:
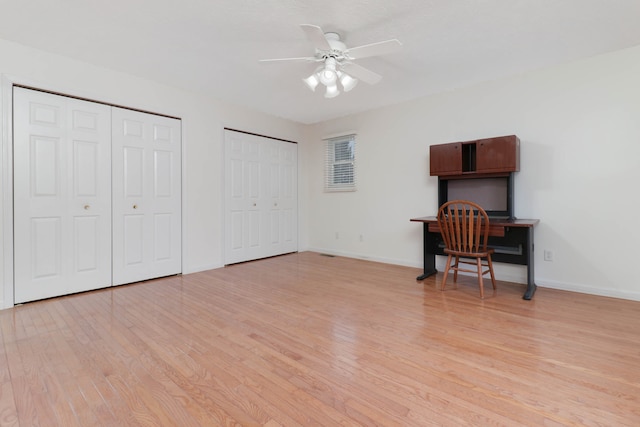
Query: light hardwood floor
x,y
310,340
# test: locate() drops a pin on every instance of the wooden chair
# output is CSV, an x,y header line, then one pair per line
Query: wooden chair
x,y
465,229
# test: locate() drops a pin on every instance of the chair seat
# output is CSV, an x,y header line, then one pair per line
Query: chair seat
x,y
469,254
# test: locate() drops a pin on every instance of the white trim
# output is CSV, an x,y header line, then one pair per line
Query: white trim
x,y
362,256
584,289
183,198
6,192
222,244
339,134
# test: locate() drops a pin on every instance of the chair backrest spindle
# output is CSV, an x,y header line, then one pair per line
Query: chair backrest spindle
x,y
464,226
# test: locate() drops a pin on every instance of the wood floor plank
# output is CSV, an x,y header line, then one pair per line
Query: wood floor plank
x,y
311,340
8,410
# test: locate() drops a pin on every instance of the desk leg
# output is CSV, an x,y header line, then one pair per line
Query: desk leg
x,y
428,255
531,285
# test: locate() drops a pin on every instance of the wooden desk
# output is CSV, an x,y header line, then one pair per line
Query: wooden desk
x,y
512,241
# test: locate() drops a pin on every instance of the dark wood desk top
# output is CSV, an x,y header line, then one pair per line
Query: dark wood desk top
x,y
494,222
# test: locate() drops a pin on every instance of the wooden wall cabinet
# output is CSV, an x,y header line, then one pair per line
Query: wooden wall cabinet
x,y
446,159
489,155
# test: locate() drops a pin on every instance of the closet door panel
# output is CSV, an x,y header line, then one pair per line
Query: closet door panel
x,y
146,196
288,200
86,232
260,197
46,247
62,195
133,172
234,217
163,225
271,182
133,242
244,235
86,178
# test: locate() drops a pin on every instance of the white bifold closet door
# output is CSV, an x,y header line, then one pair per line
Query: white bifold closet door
x,y
97,195
261,214
62,195
146,196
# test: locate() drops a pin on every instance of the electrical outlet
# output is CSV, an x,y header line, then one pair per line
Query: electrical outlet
x,y
362,237
337,235
548,255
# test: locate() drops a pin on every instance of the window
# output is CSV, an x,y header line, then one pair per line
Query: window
x,y
340,163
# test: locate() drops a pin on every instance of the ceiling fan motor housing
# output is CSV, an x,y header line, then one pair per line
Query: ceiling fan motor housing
x,y
337,47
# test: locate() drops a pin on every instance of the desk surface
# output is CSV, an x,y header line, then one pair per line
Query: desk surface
x,y
496,222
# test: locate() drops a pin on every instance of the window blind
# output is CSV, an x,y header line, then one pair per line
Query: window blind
x,y
340,163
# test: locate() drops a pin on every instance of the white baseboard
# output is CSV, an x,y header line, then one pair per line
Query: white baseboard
x,y
365,257
584,289
506,272
199,268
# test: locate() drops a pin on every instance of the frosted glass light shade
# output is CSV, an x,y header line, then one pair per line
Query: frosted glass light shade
x,y
312,81
348,82
328,77
332,91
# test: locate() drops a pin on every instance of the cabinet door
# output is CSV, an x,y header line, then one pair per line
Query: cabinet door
x,y
445,159
498,154
146,196
62,195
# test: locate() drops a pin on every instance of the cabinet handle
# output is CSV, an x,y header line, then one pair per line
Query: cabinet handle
x,y
275,205
254,205
86,207
135,206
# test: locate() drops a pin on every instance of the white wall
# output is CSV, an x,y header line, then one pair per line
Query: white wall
x,y
203,120
579,126
580,130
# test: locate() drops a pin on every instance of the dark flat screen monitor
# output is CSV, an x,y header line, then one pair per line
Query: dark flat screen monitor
x,y
494,194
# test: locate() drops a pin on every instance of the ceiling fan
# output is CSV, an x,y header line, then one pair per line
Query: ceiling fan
x,y
337,61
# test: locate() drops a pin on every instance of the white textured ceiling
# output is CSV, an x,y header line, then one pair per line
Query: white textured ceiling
x,y
213,46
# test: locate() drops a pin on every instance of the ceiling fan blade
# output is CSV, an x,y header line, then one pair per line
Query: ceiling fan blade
x,y
374,49
316,36
304,58
359,72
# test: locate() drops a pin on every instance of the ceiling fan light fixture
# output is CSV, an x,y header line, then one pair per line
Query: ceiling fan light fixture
x,y
347,81
312,81
332,91
328,75
332,56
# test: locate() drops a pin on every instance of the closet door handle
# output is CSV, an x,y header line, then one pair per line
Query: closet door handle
x,y
86,207
135,206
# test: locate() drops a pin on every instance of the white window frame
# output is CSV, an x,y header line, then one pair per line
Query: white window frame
x,y
340,174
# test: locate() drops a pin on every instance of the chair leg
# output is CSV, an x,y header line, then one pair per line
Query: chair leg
x,y
455,272
480,282
446,272
493,278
